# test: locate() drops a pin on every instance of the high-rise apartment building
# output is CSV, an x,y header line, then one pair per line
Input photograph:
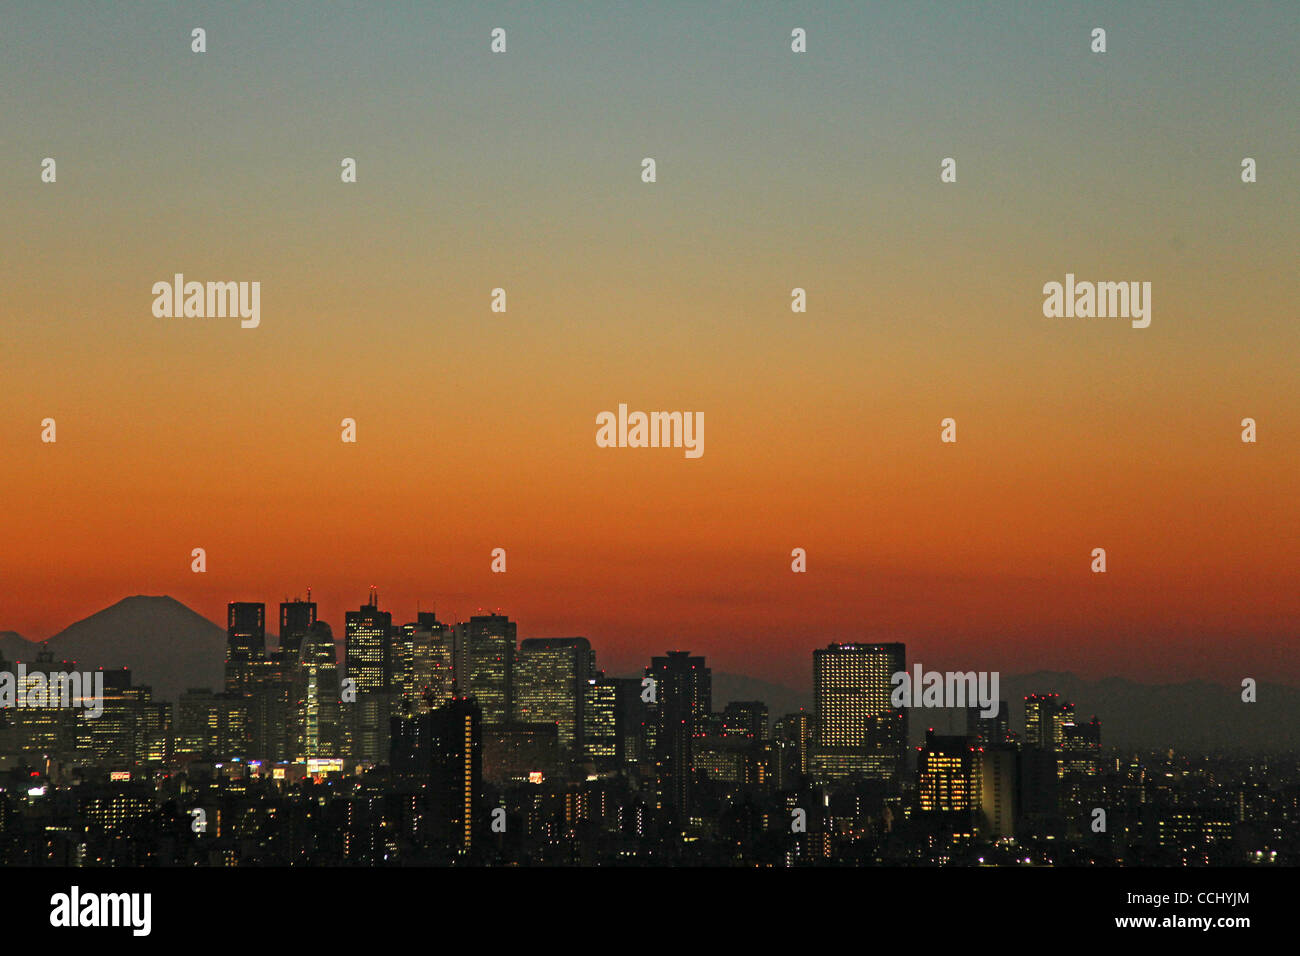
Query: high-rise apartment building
x,y
443,750
683,700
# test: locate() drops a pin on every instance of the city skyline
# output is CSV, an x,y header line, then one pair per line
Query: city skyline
x,y
172,648
625,659
456,743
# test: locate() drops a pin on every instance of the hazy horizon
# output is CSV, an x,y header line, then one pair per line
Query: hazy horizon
x,y
803,686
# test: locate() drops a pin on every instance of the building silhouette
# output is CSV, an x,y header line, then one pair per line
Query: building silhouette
x,y
296,620
683,700
441,750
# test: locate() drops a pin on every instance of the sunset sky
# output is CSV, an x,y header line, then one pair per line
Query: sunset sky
x,y
775,170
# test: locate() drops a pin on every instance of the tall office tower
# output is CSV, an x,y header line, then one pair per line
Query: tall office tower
x,y
4,711
989,731
213,726
109,740
1045,715
1063,718
1081,748
484,664
745,718
798,731
613,715
948,775
444,749
550,678
858,730
272,689
318,695
601,740
245,643
245,631
401,659
318,645
422,664
367,646
47,724
296,620
683,700
435,672
997,770
368,655
154,735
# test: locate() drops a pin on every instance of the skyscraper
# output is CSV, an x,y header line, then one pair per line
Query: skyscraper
x,y
367,653
683,701
422,664
318,645
612,717
858,729
1045,716
484,664
43,730
214,726
443,749
1081,748
745,718
296,620
318,702
550,679
271,688
997,790
245,631
110,739
367,646
245,644
948,775
992,731
797,733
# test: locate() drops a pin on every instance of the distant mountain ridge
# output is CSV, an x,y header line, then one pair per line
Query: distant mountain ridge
x,y
15,647
164,643
171,647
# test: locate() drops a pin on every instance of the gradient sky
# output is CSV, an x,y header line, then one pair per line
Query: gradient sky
x,y
776,170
